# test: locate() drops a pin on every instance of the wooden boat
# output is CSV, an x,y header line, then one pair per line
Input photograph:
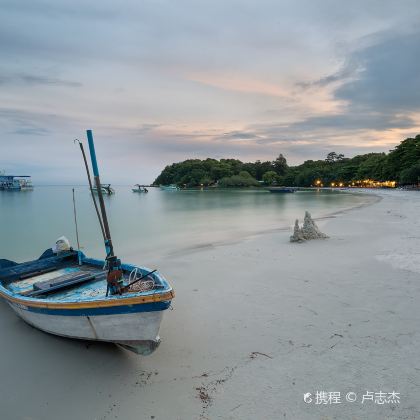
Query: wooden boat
x,y
171,187
59,296
140,189
68,294
282,189
105,189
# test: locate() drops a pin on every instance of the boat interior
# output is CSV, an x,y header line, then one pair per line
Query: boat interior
x,y
61,278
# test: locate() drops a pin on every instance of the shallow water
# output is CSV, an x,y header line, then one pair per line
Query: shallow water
x,y
144,226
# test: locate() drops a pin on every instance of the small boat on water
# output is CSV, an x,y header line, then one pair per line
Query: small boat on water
x,y
171,187
282,189
66,293
140,189
105,188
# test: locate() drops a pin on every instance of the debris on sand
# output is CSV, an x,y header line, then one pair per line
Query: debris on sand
x,y
254,354
203,395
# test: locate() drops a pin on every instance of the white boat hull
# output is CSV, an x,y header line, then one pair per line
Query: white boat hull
x,y
138,331
83,309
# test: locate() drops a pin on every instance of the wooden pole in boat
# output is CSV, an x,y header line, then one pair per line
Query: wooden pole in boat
x,y
115,273
77,230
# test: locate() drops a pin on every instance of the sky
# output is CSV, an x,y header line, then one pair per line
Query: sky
x,y
163,81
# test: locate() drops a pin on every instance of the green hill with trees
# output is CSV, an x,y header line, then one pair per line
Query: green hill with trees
x,y
401,164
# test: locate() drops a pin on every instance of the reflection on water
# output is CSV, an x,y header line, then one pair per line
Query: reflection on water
x,y
160,222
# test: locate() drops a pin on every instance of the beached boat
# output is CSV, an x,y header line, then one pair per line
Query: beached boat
x,y
105,188
60,296
68,294
171,187
15,182
140,189
282,189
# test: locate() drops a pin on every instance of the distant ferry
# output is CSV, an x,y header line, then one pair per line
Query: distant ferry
x,y
15,182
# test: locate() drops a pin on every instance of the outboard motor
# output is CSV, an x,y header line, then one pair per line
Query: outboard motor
x,y
62,244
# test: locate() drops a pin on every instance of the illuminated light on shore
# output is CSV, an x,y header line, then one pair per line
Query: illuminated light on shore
x,y
362,183
338,184
371,183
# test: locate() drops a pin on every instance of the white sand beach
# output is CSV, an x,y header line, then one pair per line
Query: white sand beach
x,y
255,325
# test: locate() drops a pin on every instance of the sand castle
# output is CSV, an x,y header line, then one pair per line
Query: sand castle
x,y
297,233
308,231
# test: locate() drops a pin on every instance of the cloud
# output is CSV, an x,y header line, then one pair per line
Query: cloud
x,y
18,122
26,122
241,135
341,75
31,131
390,77
33,80
101,10
354,121
378,85
239,83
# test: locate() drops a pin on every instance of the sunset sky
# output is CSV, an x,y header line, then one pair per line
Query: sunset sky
x,y
163,81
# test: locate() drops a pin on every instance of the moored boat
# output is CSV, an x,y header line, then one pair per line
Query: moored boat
x,y
66,294
171,187
282,189
140,189
105,189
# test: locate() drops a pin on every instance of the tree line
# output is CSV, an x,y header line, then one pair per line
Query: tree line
x,y
401,164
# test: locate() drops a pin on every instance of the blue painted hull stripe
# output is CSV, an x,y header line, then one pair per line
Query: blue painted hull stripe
x,y
110,310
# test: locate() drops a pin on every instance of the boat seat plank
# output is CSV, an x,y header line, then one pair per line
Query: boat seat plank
x,y
19,271
11,274
36,273
62,282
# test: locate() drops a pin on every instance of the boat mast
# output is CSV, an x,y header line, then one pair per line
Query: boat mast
x,y
114,277
91,188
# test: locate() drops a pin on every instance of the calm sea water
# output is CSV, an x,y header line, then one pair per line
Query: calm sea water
x,y
159,223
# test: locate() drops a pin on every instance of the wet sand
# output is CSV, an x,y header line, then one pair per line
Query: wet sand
x,y
255,325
